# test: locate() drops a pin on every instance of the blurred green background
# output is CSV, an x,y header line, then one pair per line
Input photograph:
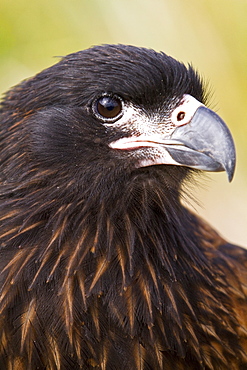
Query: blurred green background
x,y
212,34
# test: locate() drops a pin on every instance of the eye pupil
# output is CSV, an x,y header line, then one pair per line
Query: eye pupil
x,y
109,107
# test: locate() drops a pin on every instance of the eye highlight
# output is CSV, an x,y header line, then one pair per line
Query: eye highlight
x,y
108,108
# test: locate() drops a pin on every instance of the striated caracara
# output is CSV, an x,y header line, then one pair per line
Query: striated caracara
x,y
101,266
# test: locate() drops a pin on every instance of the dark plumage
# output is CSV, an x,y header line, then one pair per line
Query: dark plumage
x,y
100,264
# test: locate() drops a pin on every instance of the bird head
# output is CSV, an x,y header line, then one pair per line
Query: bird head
x,y
113,108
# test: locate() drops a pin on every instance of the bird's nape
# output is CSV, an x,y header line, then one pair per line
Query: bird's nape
x,y
101,265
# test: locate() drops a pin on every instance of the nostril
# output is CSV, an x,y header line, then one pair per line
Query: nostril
x,y
184,111
180,116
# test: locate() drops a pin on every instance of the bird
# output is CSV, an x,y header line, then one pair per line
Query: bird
x,y
102,266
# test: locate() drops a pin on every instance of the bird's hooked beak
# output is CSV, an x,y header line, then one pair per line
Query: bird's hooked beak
x,y
200,140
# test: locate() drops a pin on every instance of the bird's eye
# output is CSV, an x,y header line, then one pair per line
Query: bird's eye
x,y
108,108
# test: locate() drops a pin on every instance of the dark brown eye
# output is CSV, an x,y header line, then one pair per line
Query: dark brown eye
x,y
109,107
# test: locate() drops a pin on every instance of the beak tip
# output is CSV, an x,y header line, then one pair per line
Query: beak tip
x,y
230,164
230,170
230,176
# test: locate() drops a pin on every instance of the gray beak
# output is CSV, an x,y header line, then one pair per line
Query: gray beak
x,y
204,143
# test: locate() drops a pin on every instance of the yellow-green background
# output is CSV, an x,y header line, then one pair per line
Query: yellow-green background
x,y
212,34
